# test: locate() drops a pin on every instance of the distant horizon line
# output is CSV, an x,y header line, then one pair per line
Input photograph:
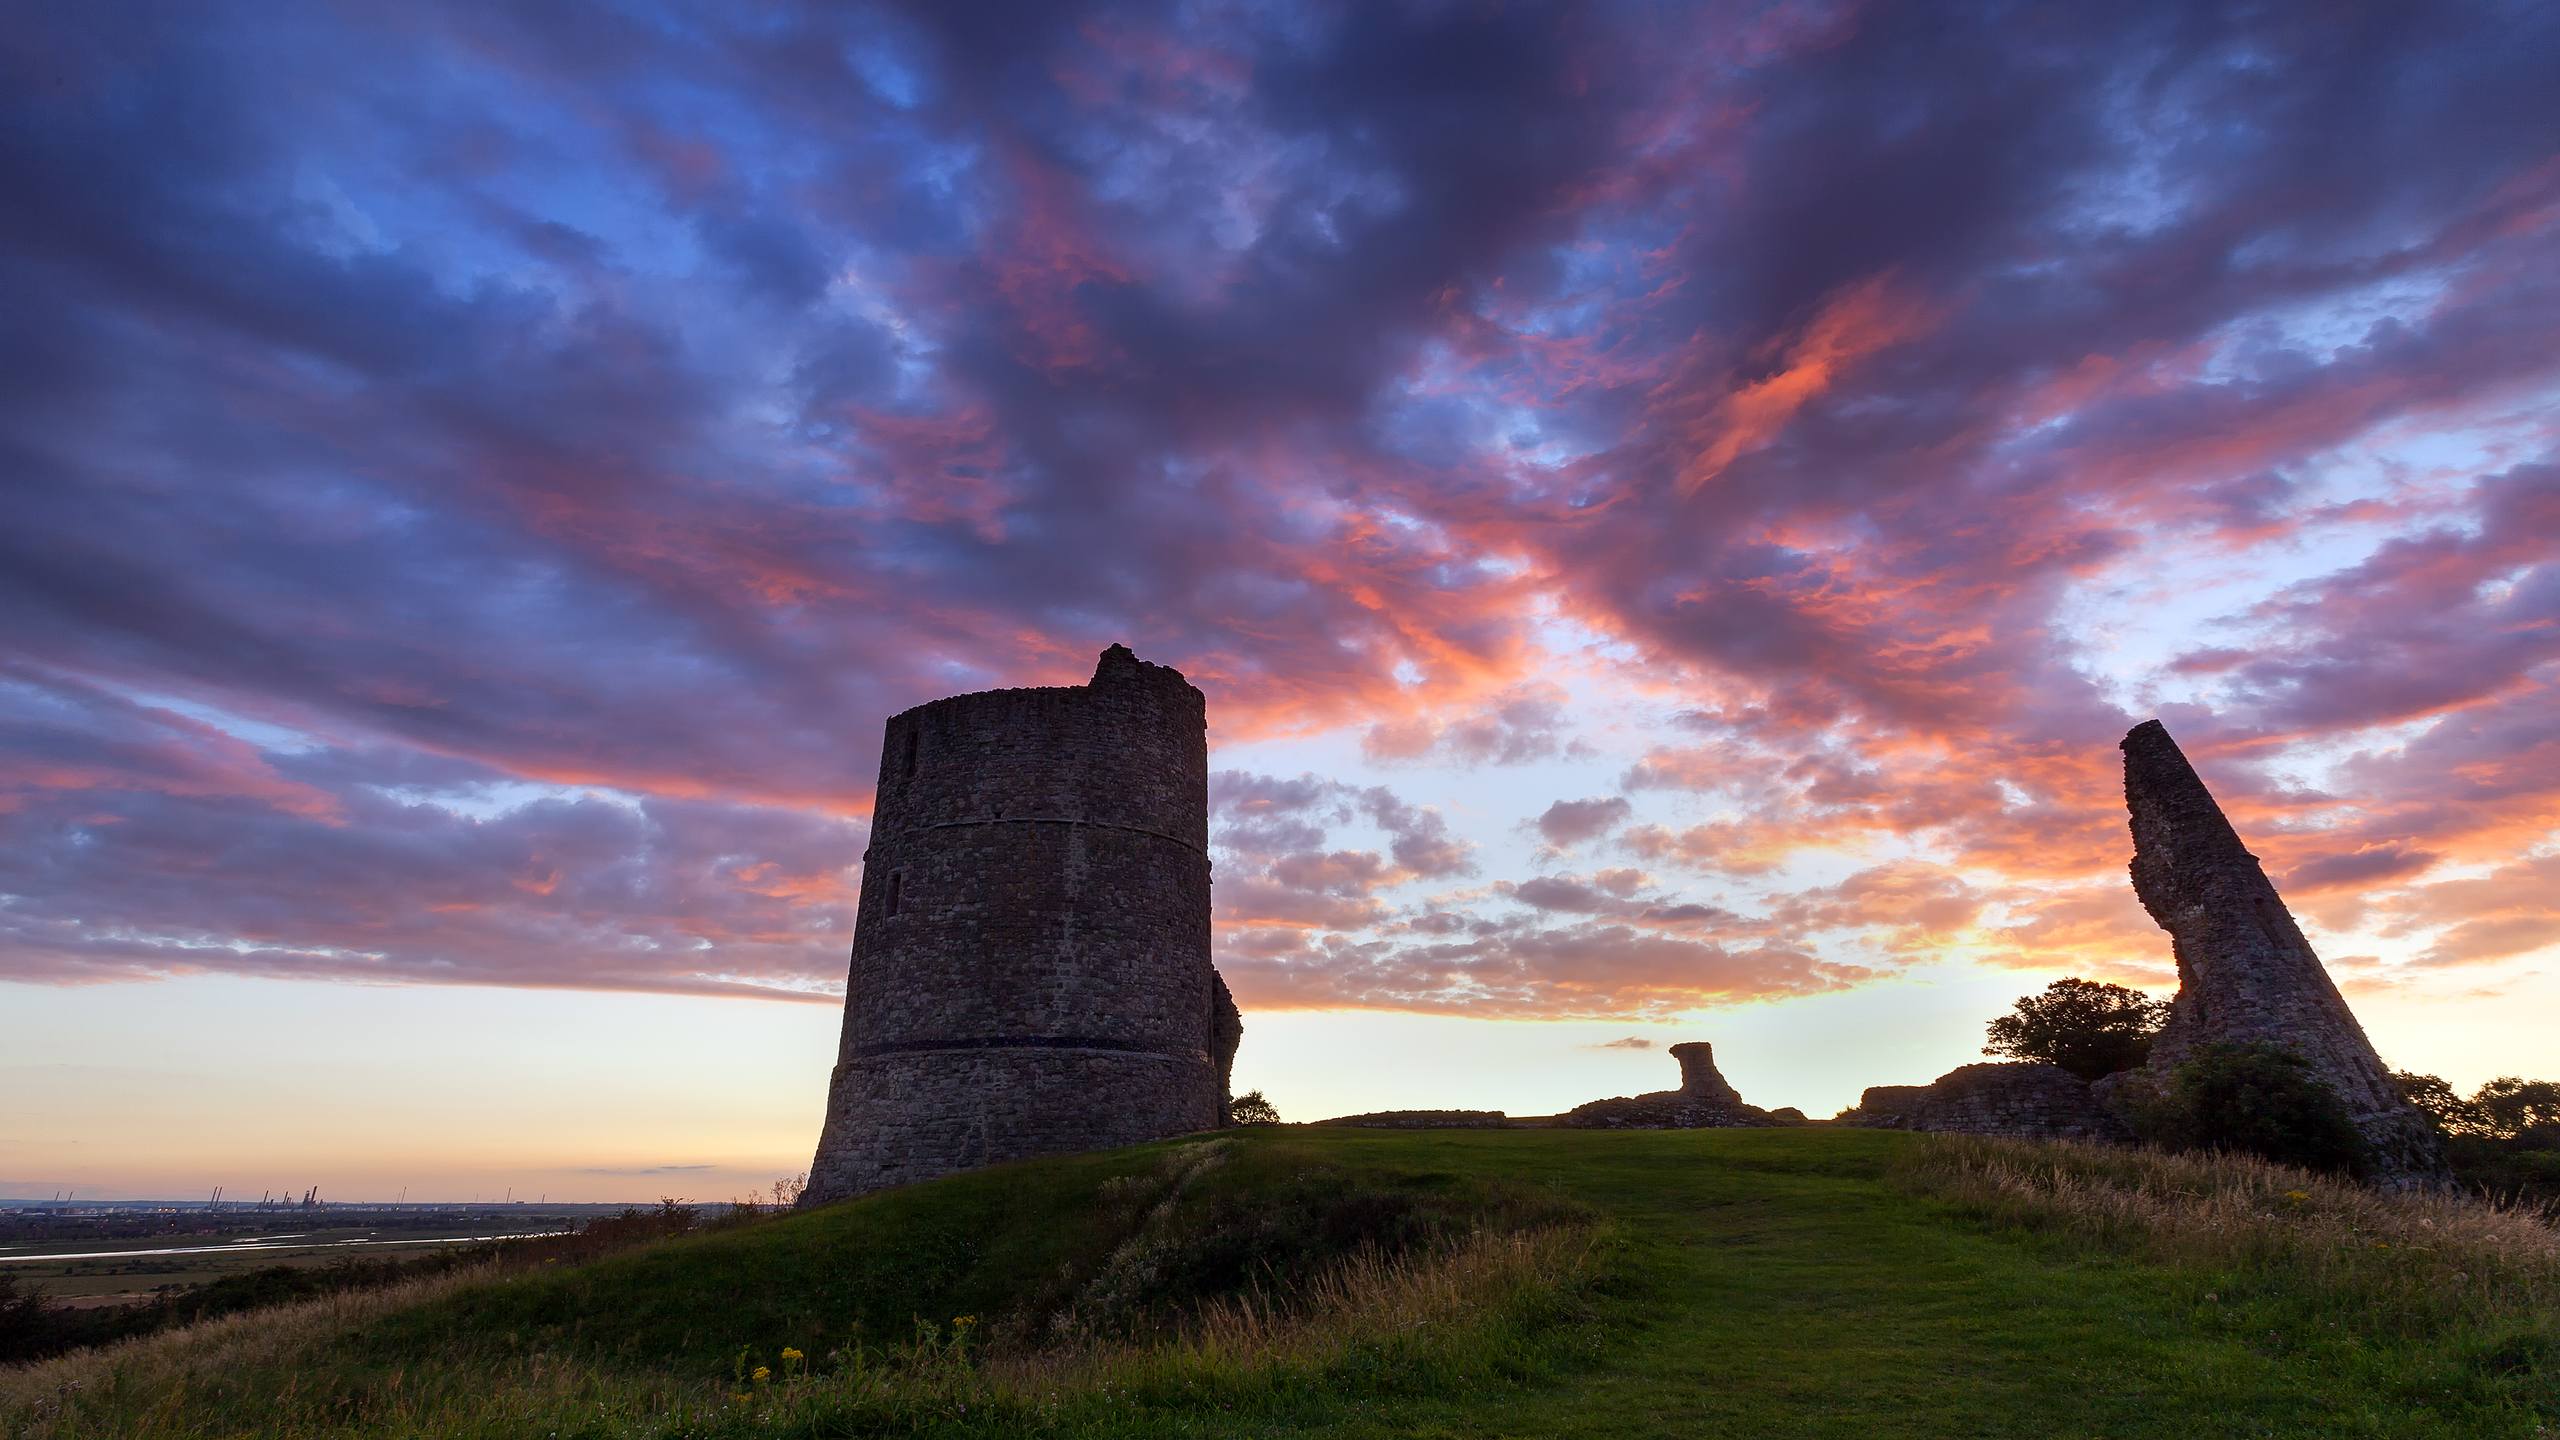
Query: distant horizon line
x,y
322,1204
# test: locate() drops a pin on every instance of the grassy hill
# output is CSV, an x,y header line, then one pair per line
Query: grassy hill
x,y
1363,1283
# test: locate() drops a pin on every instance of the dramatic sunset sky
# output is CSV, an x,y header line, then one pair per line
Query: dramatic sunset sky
x,y
1672,508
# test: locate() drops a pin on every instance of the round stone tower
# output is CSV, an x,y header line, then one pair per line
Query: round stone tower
x,y
1031,966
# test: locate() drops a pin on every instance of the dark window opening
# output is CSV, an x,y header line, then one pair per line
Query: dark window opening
x,y
897,889
910,771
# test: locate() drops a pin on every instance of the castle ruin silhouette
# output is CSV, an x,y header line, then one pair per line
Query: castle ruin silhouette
x,y
1031,971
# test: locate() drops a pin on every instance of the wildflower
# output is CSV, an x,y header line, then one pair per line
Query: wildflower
x,y
964,1321
788,1353
740,1396
762,1374
2297,1196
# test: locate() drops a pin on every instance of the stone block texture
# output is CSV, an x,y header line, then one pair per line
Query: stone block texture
x,y
1704,1101
1031,970
2245,972
2031,1100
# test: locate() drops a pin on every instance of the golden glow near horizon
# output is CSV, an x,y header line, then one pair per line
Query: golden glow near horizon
x,y
467,1093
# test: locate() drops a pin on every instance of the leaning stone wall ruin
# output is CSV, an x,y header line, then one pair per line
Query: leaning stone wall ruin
x,y
2245,972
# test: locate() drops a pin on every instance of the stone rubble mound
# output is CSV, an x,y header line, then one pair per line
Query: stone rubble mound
x,y
1704,1101
1422,1120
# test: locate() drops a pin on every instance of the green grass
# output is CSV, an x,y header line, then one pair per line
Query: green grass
x,y
1799,1282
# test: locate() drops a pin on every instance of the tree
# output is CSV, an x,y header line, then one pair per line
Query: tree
x,y
2524,1111
2437,1101
2504,1140
2508,1109
2088,1028
2258,1099
1250,1108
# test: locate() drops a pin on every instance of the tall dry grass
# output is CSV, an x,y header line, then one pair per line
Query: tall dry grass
x,y
2405,1265
1366,1299
156,1377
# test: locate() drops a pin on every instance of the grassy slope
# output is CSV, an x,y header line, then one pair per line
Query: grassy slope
x,y
1754,1283
813,1281
1776,1284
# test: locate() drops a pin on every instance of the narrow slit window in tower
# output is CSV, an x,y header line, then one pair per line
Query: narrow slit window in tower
x,y
897,889
910,767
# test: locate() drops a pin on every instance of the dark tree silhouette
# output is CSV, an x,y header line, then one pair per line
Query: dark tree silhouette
x,y
1250,1108
2508,1108
2525,1111
2503,1139
2436,1100
2087,1027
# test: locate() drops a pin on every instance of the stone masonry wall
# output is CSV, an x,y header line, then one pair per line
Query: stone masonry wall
x,y
1030,969
2032,1100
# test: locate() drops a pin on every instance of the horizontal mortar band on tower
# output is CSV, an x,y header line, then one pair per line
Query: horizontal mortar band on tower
x,y
1055,820
1008,1042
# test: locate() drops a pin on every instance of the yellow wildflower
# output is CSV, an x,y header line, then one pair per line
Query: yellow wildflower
x,y
789,1353
762,1374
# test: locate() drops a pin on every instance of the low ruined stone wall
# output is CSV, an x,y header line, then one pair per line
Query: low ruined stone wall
x,y
2029,1101
1423,1120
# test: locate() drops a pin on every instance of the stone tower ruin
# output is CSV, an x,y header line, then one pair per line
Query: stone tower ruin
x,y
2245,973
1699,1078
1031,969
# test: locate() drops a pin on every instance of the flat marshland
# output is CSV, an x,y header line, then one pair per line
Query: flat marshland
x,y
1810,1282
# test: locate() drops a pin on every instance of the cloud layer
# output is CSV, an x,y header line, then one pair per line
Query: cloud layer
x,y
477,477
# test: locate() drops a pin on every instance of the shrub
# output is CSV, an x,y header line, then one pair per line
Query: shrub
x,y
23,1322
2086,1027
2258,1099
1250,1108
